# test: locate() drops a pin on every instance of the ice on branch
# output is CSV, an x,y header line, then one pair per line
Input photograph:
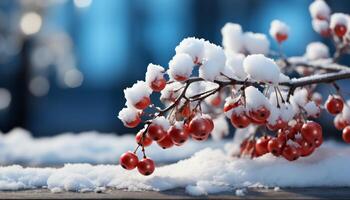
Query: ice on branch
x,y
261,68
232,37
180,67
191,46
316,50
136,93
339,19
319,10
234,66
153,73
279,30
213,62
256,43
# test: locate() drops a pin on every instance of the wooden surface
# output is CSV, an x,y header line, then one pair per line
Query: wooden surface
x,y
284,193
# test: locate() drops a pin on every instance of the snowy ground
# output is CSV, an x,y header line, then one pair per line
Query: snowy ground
x,y
207,171
19,147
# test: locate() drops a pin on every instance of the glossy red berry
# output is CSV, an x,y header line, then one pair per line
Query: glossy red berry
x,y
229,106
186,110
200,138
128,160
143,103
346,134
305,148
261,145
259,115
178,135
158,84
216,101
143,139
240,120
288,131
275,146
340,30
200,127
180,78
134,123
166,142
290,153
311,131
339,122
146,166
334,105
280,37
156,132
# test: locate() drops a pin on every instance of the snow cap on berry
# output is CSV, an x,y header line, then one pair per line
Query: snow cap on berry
x,y
316,50
128,114
162,122
191,46
346,112
319,10
171,91
255,99
135,93
153,72
278,27
181,65
213,62
338,19
261,68
256,43
232,37
320,26
234,65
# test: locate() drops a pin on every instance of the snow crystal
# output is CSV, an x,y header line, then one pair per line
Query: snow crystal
x,y
181,65
213,61
128,115
232,37
278,27
234,64
191,46
316,50
161,121
261,68
319,9
338,19
139,90
255,99
256,43
153,72
208,171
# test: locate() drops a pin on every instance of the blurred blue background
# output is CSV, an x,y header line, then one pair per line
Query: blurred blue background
x,y
66,63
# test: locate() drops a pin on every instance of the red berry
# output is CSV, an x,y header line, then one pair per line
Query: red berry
x,y
334,105
200,127
240,120
158,84
318,141
166,142
156,132
346,134
180,78
339,122
216,101
211,123
305,148
290,153
178,135
247,147
261,145
133,123
200,138
186,110
143,139
146,166
340,30
275,146
288,131
280,124
259,115
311,132
143,103
229,106
280,37
128,160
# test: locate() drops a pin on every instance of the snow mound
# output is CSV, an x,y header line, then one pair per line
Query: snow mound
x,y
208,171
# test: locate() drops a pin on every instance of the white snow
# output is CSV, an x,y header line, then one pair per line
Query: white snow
x,y
213,61
256,43
191,46
19,147
255,99
319,9
278,27
316,50
171,91
221,128
234,65
312,109
338,19
320,26
134,94
208,171
154,72
261,68
162,122
127,115
181,65
232,37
